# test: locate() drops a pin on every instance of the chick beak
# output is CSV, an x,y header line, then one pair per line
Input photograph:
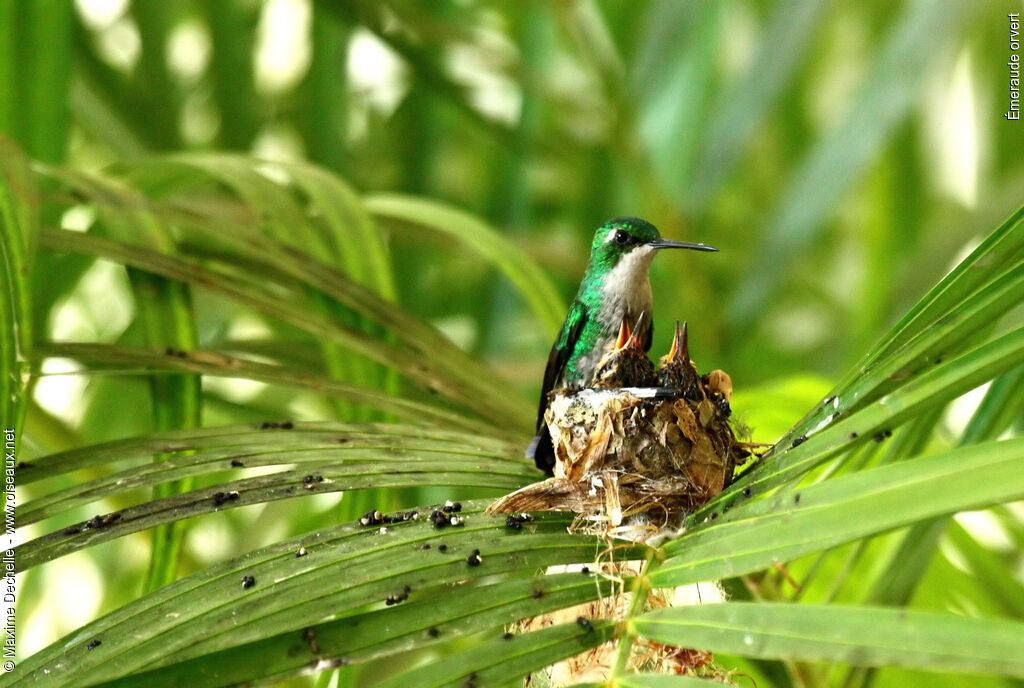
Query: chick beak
x,y
634,338
624,336
680,345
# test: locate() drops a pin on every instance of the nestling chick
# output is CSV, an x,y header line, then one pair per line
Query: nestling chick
x,y
677,370
626,364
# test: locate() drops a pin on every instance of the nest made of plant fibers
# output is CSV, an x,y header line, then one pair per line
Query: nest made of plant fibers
x,y
619,454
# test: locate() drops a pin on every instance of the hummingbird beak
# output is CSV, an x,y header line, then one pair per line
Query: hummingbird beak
x,y
659,244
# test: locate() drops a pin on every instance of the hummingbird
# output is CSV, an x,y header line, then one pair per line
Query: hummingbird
x,y
615,288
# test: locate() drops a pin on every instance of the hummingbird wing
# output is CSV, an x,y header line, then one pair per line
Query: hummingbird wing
x,y
540,449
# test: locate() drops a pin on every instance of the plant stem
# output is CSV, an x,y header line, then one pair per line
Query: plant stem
x,y
640,590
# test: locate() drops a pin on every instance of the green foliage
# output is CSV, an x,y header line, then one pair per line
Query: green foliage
x,y
241,307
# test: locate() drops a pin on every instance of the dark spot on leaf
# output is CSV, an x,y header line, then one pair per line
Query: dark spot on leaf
x,y
584,623
474,559
425,545
585,570
433,632
24,464
222,497
746,492
796,498
399,516
93,644
402,597
111,518
271,425
853,435
235,463
310,636
516,521
248,582
714,515
537,594
442,548
799,440
507,636
439,519
371,518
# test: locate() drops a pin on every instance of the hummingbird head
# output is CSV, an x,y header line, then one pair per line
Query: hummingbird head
x,y
630,236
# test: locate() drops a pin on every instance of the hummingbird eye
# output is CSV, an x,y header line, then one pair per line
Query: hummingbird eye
x,y
622,238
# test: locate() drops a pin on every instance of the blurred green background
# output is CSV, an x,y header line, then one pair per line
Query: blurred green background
x,y
842,155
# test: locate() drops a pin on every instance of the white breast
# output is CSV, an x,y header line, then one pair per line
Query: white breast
x,y
627,290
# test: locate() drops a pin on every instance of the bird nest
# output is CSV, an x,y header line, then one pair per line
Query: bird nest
x,y
650,452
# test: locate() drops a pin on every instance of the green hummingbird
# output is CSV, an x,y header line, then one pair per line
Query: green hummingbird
x,y
615,288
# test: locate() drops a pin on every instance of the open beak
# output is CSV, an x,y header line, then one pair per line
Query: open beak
x,y
680,347
669,243
624,336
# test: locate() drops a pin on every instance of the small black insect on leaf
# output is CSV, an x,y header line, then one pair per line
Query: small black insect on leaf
x,y
439,519
474,559
371,518
584,623
248,582
395,599
93,644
